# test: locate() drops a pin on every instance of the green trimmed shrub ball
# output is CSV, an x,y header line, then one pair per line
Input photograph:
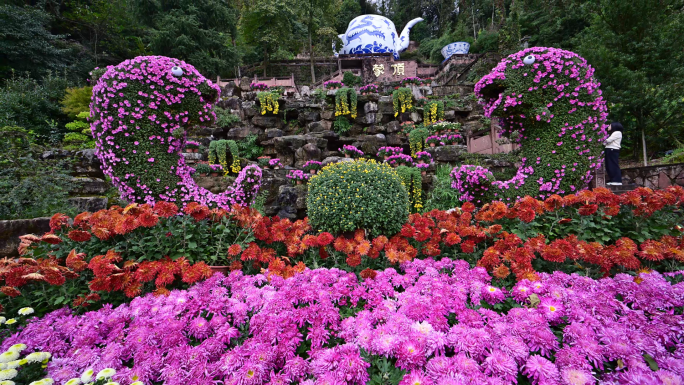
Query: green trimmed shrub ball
x,y
361,194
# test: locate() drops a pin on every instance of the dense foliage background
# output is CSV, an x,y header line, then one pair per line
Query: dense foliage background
x,y
634,46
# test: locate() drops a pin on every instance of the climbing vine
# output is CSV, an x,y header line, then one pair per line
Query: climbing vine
x,y
268,101
402,99
433,111
217,155
417,139
345,102
413,182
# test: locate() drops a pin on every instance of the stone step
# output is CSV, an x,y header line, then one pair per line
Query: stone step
x,y
625,187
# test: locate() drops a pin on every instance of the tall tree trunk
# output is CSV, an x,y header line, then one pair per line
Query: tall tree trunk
x,y
265,60
472,10
643,144
311,58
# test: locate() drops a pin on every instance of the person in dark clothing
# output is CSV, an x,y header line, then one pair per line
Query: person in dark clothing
x,y
612,152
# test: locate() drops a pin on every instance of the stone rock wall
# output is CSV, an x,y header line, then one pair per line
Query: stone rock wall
x,y
10,231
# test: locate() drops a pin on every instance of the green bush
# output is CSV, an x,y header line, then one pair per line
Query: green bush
x,y
24,102
361,194
351,80
249,147
77,100
202,168
30,188
341,125
442,196
224,118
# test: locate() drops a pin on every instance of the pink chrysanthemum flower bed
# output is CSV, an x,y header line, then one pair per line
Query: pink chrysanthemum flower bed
x,y
434,322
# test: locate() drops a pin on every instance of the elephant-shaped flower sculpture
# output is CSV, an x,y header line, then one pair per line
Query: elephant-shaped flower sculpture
x,y
138,110
375,34
547,100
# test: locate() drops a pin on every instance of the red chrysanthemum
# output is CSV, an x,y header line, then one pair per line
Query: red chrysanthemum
x,y
235,265
148,219
468,207
165,209
353,260
526,215
588,209
234,250
251,253
79,236
57,221
10,291
51,239
368,274
324,239
468,246
75,261
452,239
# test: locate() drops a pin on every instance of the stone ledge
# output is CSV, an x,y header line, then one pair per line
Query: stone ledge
x,y
11,230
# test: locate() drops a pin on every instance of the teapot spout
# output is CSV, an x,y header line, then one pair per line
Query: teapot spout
x,y
404,37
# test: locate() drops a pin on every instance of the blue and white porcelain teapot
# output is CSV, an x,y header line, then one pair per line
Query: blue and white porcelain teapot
x,y
375,34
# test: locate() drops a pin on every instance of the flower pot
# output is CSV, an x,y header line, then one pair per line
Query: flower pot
x,y
420,161
386,157
225,270
312,171
276,168
299,182
195,150
347,156
188,150
432,144
423,173
203,174
214,174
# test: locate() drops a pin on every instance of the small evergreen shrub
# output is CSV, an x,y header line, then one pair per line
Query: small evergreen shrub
x,y
351,80
362,194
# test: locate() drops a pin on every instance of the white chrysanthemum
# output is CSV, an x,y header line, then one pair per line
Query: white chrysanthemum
x,y
26,311
111,383
73,381
10,321
37,357
2,320
17,348
87,376
7,382
106,373
12,364
135,383
48,381
7,374
9,356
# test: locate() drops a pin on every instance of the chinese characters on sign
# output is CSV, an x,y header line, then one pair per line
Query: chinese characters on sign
x,y
379,69
398,69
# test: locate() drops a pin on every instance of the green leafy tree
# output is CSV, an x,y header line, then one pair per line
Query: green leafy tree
x,y
636,49
26,44
272,25
201,33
